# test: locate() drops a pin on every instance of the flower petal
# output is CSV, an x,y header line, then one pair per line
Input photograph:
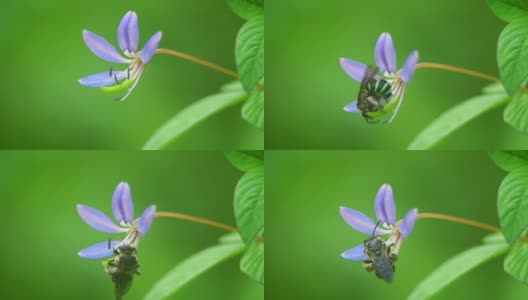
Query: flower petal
x,y
150,47
354,69
356,253
385,54
143,224
98,220
102,48
122,204
407,223
384,205
409,67
128,33
99,250
352,108
359,221
103,79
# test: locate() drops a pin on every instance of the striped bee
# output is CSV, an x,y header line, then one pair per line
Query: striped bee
x,y
373,94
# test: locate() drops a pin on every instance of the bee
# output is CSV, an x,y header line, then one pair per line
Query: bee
x,y
122,268
373,94
381,260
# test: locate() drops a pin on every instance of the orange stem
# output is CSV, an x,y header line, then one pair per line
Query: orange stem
x,y
201,221
458,70
463,221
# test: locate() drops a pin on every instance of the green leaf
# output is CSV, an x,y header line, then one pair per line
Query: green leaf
x,y
249,52
454,268
509,160
516,113
509,10
516,263
247,9
494,88
245,160
191,116
252,263
455,118
513,204
494,238
192,267
512,54
232,237
233,86
253,108
249,204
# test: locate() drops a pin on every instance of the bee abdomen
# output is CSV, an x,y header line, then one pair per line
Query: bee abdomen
x,y
380,87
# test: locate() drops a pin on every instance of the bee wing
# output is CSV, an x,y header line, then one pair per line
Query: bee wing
x,y
122,285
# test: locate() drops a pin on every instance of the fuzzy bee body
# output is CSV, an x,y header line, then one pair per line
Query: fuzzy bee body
x,y
373,94
122,269
381,261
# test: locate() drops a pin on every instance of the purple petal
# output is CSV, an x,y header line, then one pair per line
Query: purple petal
x,y
122,204
143,224
359,221
128,33
409,67
150,47
356,253
102,48
354,69
99,250
98,220
384,205
385,54
103,79
352,108
407,223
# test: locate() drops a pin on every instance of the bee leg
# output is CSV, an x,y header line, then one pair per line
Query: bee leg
x,y
369,266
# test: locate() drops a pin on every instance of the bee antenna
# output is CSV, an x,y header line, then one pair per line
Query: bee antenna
x,y
376,227
110,71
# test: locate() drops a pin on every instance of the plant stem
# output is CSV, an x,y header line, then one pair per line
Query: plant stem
x,y
199,61
202,62
196,220
201,221
463,221
458,70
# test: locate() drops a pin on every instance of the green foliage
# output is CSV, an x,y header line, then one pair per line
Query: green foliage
x,y
249,204
253,108
516,263
249,52
513,204
191,268
247,9
192,116
245,160
509,160
512,54
516,113
455,267
509,10
455,118
252,263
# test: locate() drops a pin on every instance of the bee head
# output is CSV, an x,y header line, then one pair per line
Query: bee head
x,y
127,249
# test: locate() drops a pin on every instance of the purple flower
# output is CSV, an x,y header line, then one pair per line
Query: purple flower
x,y
386,214
385,56
123,209
128,39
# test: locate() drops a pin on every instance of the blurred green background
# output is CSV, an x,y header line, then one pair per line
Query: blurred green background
x,y
306,38
306,234
43,106
43,232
